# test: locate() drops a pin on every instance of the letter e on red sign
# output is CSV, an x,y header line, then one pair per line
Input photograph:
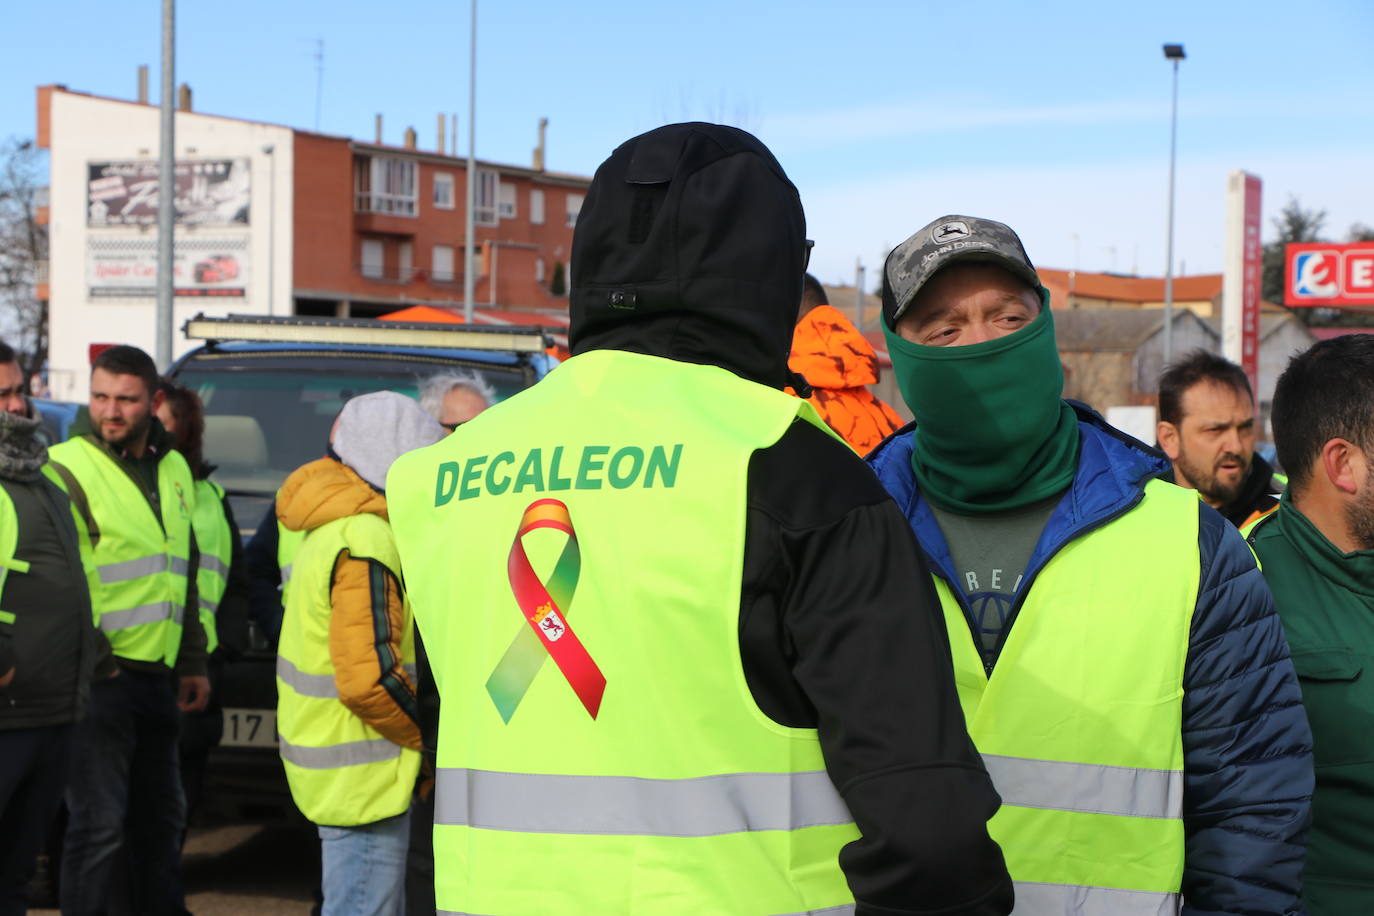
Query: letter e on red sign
x,y
1359,274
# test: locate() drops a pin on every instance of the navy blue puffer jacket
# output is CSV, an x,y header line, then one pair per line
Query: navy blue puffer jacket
x,y
1246,743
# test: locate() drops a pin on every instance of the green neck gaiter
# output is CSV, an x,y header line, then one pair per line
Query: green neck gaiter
x,y
991,430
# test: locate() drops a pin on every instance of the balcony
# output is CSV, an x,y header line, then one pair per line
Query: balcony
x,y
404,275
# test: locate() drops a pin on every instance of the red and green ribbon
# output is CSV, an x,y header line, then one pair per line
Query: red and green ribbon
x,y
544,605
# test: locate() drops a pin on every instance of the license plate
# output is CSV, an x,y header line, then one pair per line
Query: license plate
x,y
249,728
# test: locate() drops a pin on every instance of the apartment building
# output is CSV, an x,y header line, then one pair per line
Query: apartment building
x,y
272,220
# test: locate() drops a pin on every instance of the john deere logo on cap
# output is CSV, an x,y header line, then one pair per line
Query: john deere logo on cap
x,y
947,232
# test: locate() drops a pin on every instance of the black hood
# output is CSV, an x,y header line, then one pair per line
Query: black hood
x,y
691,246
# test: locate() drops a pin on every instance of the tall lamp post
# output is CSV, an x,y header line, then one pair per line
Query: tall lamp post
x,y
471,169
1173,53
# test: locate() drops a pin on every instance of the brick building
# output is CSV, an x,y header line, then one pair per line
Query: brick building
x,y
277,221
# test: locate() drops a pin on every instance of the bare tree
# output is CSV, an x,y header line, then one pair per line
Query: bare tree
x,y
23,252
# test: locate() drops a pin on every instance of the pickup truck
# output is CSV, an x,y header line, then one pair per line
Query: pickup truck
x,y
271,389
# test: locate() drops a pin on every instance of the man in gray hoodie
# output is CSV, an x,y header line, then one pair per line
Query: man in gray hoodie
x,y
48,643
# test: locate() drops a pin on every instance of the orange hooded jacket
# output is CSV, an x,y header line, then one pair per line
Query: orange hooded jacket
x,y
365,626
839,364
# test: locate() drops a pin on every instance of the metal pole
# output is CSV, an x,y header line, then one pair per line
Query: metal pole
x,y
166,190
471,170
1169,247
270,151
859,294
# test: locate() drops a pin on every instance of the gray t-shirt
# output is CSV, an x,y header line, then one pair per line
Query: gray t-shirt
x,y
990,554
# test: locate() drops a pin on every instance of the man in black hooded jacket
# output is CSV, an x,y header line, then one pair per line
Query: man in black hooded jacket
x,y
687,260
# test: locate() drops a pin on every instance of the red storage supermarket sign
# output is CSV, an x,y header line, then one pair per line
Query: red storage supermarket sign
x,y
1317,273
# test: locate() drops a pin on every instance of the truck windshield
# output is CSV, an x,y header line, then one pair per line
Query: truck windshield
x,y
263,423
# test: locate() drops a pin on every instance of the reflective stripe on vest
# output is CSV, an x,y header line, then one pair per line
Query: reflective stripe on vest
x,y
1093,901
1078,724
321,686
1064,786
334,756
594,713
341,771
307,685
829,911
113,621
128,570
137,569
626,805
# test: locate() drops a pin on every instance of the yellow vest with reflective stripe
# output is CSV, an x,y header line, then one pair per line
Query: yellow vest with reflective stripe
x,y
1080,722
138,561
680,796
214,541
342,772
9,544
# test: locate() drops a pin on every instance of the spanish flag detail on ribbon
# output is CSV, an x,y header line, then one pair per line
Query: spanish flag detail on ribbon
x,y
544,605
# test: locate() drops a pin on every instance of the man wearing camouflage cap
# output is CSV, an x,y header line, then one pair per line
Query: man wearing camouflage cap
x,y
1117,654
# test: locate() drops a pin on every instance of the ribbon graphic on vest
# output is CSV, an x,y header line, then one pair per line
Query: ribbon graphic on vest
x,y
544,605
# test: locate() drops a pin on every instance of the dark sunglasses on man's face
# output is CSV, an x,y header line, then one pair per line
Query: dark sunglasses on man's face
x,y
806,255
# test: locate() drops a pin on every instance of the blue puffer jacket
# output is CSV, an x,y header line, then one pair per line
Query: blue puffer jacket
x,y
1246,744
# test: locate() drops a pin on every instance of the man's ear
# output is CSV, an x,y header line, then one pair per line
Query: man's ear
x,y
1337,461
159,397
1167,434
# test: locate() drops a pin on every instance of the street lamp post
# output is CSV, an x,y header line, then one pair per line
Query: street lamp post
x,y
471,169
166,194
1173,53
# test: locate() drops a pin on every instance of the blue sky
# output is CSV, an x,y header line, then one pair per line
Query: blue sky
x,y
1053,117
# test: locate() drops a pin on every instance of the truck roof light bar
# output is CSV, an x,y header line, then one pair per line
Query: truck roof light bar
x,y
366,332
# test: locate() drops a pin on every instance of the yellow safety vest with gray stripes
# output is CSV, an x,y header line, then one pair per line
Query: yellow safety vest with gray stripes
x,y
214,541
680,796
1079,724
138,559
9,545
288,542
342,772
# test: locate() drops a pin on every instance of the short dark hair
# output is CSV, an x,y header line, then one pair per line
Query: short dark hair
x,y
7,354
1327,392
813,293
126,360
189,437
1190,369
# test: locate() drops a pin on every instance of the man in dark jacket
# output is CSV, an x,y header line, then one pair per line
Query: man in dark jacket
x,y
1121,666
1318,556
133,495
1207,428
48,645
768,563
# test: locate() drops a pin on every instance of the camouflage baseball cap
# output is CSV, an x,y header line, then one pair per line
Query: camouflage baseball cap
x,y
941,243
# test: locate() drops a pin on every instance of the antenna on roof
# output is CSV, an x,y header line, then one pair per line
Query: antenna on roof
x,y
319,79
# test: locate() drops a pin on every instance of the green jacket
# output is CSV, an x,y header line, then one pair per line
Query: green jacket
x,y
1326,601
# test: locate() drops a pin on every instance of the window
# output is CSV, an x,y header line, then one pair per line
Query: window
x,y
574,208
443,190
507,208
374,255
538,270
537,207
406,259
443,263
485,212
383,184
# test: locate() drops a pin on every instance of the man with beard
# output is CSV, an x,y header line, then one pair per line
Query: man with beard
x,y
1318,556
132,497
1121,667
1207,428
689,657
48,647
